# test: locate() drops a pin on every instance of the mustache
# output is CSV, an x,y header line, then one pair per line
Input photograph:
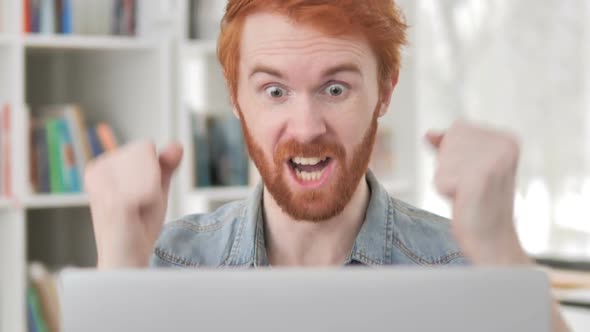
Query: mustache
x,y
293,148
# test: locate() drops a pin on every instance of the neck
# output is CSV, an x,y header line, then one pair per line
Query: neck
x,y
301,243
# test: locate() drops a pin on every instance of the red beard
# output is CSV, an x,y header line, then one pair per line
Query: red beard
x,y
318,204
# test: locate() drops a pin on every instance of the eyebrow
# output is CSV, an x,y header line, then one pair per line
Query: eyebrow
x,y
346,67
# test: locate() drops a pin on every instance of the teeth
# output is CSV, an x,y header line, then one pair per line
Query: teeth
x,y
309,176
308,161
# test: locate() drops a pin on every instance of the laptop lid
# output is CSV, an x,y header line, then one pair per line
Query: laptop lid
x,y
353,299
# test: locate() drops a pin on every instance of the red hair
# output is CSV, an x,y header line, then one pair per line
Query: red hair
x,y
380,21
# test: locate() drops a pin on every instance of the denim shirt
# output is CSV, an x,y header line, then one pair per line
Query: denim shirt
x,y
233,236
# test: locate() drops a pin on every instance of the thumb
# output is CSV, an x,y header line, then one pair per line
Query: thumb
x,y
169,160
435,138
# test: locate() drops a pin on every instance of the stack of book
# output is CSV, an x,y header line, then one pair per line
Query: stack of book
x,y
61,145
103,17
220,157
42,300
5,150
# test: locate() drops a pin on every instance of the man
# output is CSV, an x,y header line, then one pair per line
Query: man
x,y
309,81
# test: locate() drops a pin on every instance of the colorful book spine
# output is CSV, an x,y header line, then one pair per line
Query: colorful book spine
x,y
44,283
106,137
35,16
57,10
42,183
31,325
47,17
37,313
69,169
27,28
55,163
82,153
95,145
67,17
62,145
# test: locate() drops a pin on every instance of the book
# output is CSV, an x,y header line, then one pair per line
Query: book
x,y
95,145
77,125
40,159
220,157
35,14
69,167
32,326
56,179
89,17
44,284
105,135
67,19
227,152
129,17
27,28
124,16
47,17
36,310
62,145
200,151
57,11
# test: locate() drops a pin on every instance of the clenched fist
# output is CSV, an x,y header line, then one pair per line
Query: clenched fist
x,y
128,192
476,172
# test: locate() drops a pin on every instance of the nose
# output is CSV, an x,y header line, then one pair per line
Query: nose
x,y
307,122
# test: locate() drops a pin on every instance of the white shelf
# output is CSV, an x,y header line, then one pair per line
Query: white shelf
x,y
5,40
199,47
43,201
77,42
5,203
221,194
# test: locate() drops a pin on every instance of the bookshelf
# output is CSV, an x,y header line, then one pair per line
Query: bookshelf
x,y
5,40
146,87
45,201
87,43
5,204
124,81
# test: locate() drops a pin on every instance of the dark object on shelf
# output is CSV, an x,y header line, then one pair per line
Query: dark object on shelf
x,y
220,151
564,263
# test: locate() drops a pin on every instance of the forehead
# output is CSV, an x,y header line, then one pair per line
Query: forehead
x,y
275,40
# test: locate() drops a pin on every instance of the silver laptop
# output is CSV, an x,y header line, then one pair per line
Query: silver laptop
x,y
342,300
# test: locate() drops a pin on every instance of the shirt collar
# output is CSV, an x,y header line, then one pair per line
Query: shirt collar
x,y
372,247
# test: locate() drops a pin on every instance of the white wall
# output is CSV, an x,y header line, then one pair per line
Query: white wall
x,y
523,66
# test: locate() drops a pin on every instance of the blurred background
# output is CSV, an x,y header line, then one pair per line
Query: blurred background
x,y
81,77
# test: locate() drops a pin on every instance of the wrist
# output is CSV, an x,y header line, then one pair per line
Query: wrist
x,y
506,251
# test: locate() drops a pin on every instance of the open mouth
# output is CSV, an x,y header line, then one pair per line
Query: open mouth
x,y
310,171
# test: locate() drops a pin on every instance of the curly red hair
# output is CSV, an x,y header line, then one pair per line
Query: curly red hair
x,y
380,21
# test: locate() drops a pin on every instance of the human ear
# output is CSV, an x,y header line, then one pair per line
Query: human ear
x,y
387,93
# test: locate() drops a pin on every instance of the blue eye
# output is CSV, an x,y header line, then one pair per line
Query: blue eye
x,y
275,92
336,90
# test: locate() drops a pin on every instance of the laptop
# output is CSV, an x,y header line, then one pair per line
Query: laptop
x,y
343,300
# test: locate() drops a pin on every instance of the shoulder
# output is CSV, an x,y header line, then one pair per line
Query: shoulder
x,y
199,239
422,237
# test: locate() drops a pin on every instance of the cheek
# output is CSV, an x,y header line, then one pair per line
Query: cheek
x,y
265,131
352,127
